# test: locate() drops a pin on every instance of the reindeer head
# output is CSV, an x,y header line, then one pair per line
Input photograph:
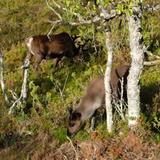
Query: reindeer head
x,y
74,122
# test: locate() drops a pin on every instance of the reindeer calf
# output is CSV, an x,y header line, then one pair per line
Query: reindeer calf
x,y
94,98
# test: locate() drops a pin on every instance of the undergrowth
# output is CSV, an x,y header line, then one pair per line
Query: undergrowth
x,y
44,119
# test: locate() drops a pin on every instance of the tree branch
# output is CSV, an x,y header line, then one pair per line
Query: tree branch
x,y
23,95
108,16
104,14
96,19
152,55
151,8
151,63
57,5
56,13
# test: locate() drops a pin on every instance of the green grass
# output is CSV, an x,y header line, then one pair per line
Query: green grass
x,y
50,94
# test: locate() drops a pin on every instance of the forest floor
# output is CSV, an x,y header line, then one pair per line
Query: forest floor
x,y
38,131
131,146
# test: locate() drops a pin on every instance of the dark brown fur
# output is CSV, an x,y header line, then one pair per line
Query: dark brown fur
x,y
54,46
95,98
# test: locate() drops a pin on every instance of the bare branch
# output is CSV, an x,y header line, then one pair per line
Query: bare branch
x,y
56,13
96,19
65,83
64,9
76,155
151,63
56,4
145,7
104,14
23,95
151,8
50,31
108,16
152,55
16,103
56,22
14,95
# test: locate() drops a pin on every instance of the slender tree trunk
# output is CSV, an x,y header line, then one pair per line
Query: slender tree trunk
x,y
2,79
25,79
137,55
107,81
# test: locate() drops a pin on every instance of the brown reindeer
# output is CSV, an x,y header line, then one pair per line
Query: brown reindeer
x,y
50,47
95,97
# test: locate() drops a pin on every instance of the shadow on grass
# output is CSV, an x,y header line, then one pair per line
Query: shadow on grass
x,y
150,98
148,94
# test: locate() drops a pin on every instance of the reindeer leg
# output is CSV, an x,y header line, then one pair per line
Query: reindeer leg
x,y
93,119
57,62
38,61
57,65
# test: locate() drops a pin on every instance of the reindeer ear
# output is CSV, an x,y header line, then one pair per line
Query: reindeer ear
x,y
70,109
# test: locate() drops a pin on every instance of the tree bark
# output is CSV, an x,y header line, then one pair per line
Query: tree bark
x,y
137,55
107,81
2,79
25,79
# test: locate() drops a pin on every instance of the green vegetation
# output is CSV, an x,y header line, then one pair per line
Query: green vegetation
x,y
51,93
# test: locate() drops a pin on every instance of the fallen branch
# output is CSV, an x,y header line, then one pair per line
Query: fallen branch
x,y
76,154
23,96
14,95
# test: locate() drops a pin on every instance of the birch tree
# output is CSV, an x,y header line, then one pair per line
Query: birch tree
x,y
86,13
107,79
3,87
137,56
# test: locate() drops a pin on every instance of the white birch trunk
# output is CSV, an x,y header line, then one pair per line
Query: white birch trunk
x,y
107,82
137,55
2,80
25,79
